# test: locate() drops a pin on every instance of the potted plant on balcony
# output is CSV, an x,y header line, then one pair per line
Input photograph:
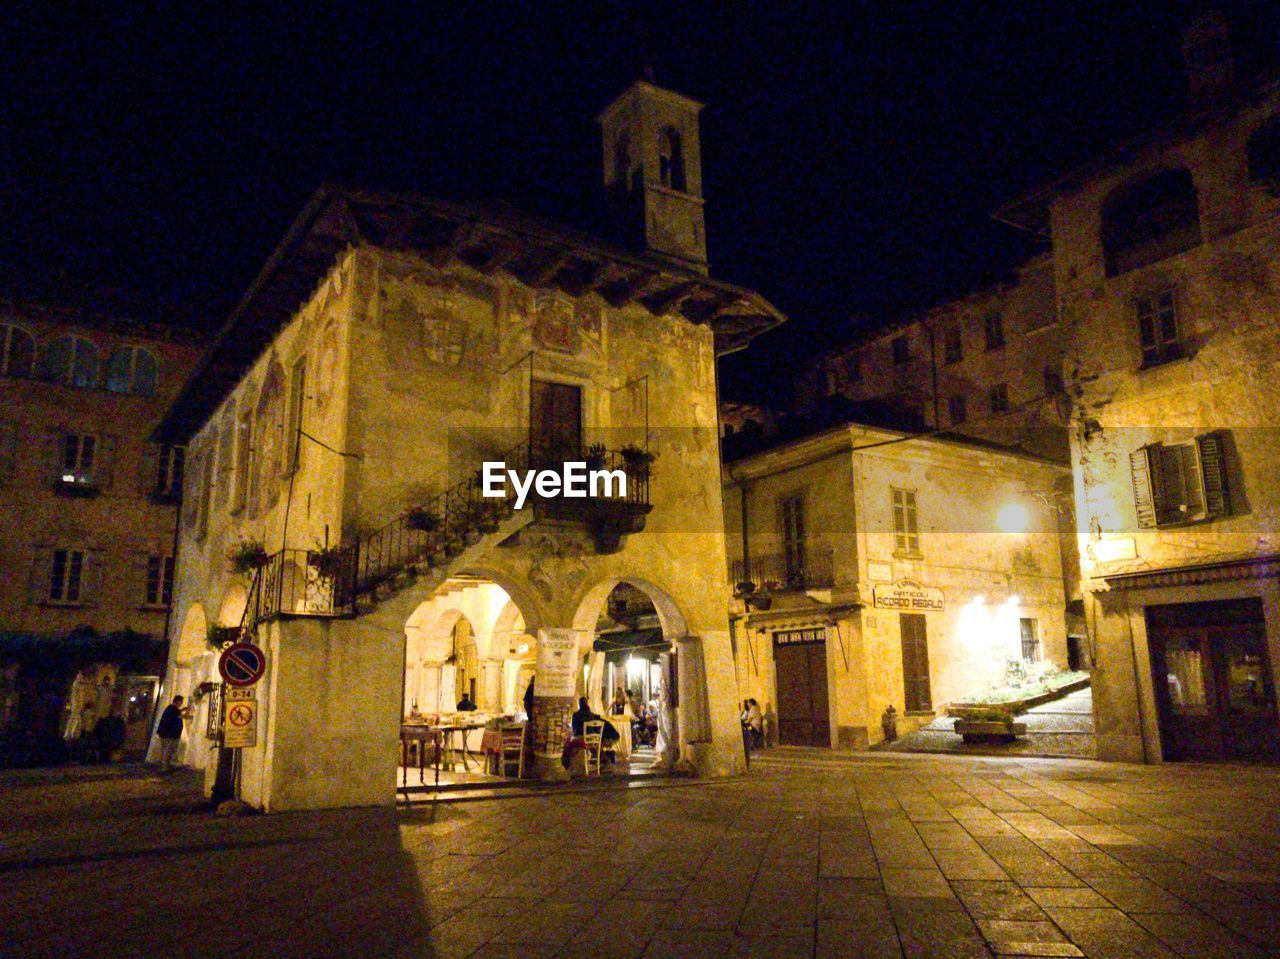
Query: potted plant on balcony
x,y
638,460
329,561
743,589
595,456
219,636
247,556
422,519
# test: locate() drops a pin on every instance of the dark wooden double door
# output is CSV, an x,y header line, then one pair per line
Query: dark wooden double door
x,y
1213,682
555,424
804,717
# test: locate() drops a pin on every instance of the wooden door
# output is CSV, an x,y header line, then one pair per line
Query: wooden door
x,y
804,717
1212,677
918,694
555,424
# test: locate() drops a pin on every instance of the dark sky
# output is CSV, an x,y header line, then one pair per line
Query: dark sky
x,y
852,151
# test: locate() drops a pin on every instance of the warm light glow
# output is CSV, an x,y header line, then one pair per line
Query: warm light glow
x,y
522,648
1013,518
1014,600
979,600
635,668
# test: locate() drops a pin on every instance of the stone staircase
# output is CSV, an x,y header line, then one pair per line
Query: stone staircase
x,y
1062,727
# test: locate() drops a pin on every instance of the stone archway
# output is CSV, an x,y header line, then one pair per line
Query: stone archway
x,y
193,638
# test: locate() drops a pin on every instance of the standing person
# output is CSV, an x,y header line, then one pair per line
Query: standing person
x,y
169,732
755,721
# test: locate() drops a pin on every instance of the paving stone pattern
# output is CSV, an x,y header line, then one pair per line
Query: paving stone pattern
x,y
813,854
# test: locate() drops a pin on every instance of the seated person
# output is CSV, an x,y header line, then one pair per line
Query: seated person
x,y
577,721
465,705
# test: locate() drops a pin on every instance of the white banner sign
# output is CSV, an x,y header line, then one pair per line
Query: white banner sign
x,y
907,595
557,669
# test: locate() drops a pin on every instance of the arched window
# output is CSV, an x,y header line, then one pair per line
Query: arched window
x,y
269,436
71,361
17,352
671,159
1149,220
1264,156
132,369
621,162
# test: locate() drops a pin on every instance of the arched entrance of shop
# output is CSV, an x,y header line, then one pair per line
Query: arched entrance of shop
x,y
467,652
631,667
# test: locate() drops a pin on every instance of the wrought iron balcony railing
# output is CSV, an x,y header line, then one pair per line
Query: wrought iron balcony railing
x,y
807,568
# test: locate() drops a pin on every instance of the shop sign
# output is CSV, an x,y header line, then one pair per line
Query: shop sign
x,y
907,595
556,673
240,723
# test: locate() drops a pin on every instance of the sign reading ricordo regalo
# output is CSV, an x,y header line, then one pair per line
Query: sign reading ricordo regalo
x,y
907,594
573,481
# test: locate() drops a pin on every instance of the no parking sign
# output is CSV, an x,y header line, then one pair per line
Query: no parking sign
x,y
242,664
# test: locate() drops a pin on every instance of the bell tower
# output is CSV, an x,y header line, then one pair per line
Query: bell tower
x,y
653,171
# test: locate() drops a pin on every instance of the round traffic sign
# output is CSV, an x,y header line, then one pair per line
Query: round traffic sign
x,y
242,664
240,715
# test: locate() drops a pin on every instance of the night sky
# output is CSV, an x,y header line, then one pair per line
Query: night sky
x,y
852,151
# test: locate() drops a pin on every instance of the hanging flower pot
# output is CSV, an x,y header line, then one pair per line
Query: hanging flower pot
x,y
422,519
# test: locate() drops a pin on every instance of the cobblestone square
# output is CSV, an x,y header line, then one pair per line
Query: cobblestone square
x,y
812,854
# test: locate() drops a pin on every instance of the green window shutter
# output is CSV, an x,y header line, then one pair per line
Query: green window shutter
x,y
1213,474
104,460
1144,485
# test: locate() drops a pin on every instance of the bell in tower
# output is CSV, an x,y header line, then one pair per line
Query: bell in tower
x,y
653,171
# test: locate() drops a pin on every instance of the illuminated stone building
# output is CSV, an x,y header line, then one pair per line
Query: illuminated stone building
x,y
987,365
1167,263
390,346
887,569
87,507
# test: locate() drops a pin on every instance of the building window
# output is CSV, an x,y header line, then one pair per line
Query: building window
x,y
268,460
1177,483
169,473
83,461
1053,385
17,352
159,581
994,326
1029,631
791,519
67,576
1158,327
71,361
293,428
952,344
1150,220
1264,156
901,347
132,369
671,160
853,367
205,491
998,398
906,525
226,454
244,462
957,409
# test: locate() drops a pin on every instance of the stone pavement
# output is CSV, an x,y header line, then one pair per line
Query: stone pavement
x,y
812,854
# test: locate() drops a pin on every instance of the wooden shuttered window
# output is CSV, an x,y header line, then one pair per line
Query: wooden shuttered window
x,y
906,525
1180,482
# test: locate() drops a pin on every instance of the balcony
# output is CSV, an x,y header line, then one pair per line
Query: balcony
x,y
808,568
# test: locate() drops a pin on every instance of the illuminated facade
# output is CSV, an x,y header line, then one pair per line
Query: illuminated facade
x,y
883,570
392,346
1167,268
87,502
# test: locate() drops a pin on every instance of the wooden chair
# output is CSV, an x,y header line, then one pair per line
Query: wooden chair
x,y
593,736
511,749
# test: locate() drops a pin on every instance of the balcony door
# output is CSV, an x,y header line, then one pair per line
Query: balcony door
x,y
555,423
